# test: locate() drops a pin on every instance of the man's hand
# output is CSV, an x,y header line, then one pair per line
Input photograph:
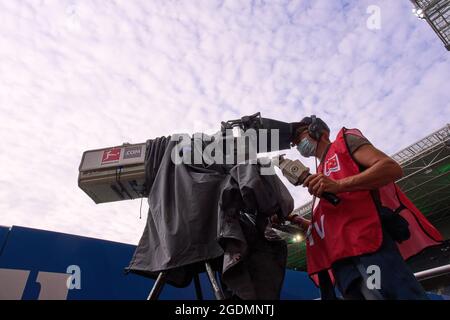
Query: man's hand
x,y
275,220
319,183
301,222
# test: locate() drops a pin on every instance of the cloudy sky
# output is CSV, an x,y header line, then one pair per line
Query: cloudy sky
x,y
83,74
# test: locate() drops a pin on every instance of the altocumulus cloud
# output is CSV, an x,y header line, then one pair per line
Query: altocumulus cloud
x,y
78,75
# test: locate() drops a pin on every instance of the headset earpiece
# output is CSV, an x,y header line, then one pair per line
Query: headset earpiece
x,y
313,129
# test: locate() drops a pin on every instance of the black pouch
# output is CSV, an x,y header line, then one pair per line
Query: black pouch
x,y
396,226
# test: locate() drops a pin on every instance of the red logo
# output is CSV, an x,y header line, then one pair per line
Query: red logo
x,y
332,165
111,155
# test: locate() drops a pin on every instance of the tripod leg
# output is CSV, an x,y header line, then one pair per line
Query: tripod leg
x,y
198,288
158,286
217,291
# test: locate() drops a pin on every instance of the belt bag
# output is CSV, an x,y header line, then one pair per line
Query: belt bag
x,y
395,225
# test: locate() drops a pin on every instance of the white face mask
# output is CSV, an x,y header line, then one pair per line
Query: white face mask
x,y
307,148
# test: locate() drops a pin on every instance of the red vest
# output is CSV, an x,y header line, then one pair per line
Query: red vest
x,y
353,227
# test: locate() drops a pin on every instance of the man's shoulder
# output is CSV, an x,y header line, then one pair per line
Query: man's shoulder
x,y
354,132
355,139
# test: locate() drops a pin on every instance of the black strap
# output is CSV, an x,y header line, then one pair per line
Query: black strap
x,y
377,199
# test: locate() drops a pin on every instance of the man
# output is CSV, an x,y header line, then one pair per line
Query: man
x,y
361,242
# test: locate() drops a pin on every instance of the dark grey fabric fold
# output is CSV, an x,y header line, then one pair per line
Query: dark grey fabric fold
x,y
155,149
254,259
212,212
181,227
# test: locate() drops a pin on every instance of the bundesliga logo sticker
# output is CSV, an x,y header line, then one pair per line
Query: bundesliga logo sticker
x,y
332,165
112,155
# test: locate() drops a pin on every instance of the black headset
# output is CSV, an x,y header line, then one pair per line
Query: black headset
x,y
315,129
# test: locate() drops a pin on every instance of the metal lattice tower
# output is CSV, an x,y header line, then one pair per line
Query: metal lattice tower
x,y
303,210
437,14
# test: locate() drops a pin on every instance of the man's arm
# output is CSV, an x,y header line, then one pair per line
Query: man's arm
x,y
381,170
